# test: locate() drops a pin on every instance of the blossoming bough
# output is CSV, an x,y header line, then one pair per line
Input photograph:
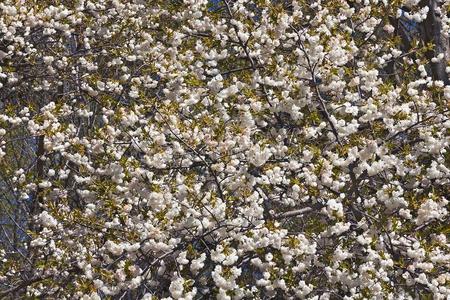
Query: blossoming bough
x,y
224,149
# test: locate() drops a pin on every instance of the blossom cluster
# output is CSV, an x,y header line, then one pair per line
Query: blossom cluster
x,y
226,149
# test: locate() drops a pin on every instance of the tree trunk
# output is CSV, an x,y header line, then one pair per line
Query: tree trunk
x,y
432,33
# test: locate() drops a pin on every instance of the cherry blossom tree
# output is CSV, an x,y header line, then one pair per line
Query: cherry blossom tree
x,y
226,149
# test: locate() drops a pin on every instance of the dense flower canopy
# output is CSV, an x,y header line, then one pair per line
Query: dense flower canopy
x,y
226,149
